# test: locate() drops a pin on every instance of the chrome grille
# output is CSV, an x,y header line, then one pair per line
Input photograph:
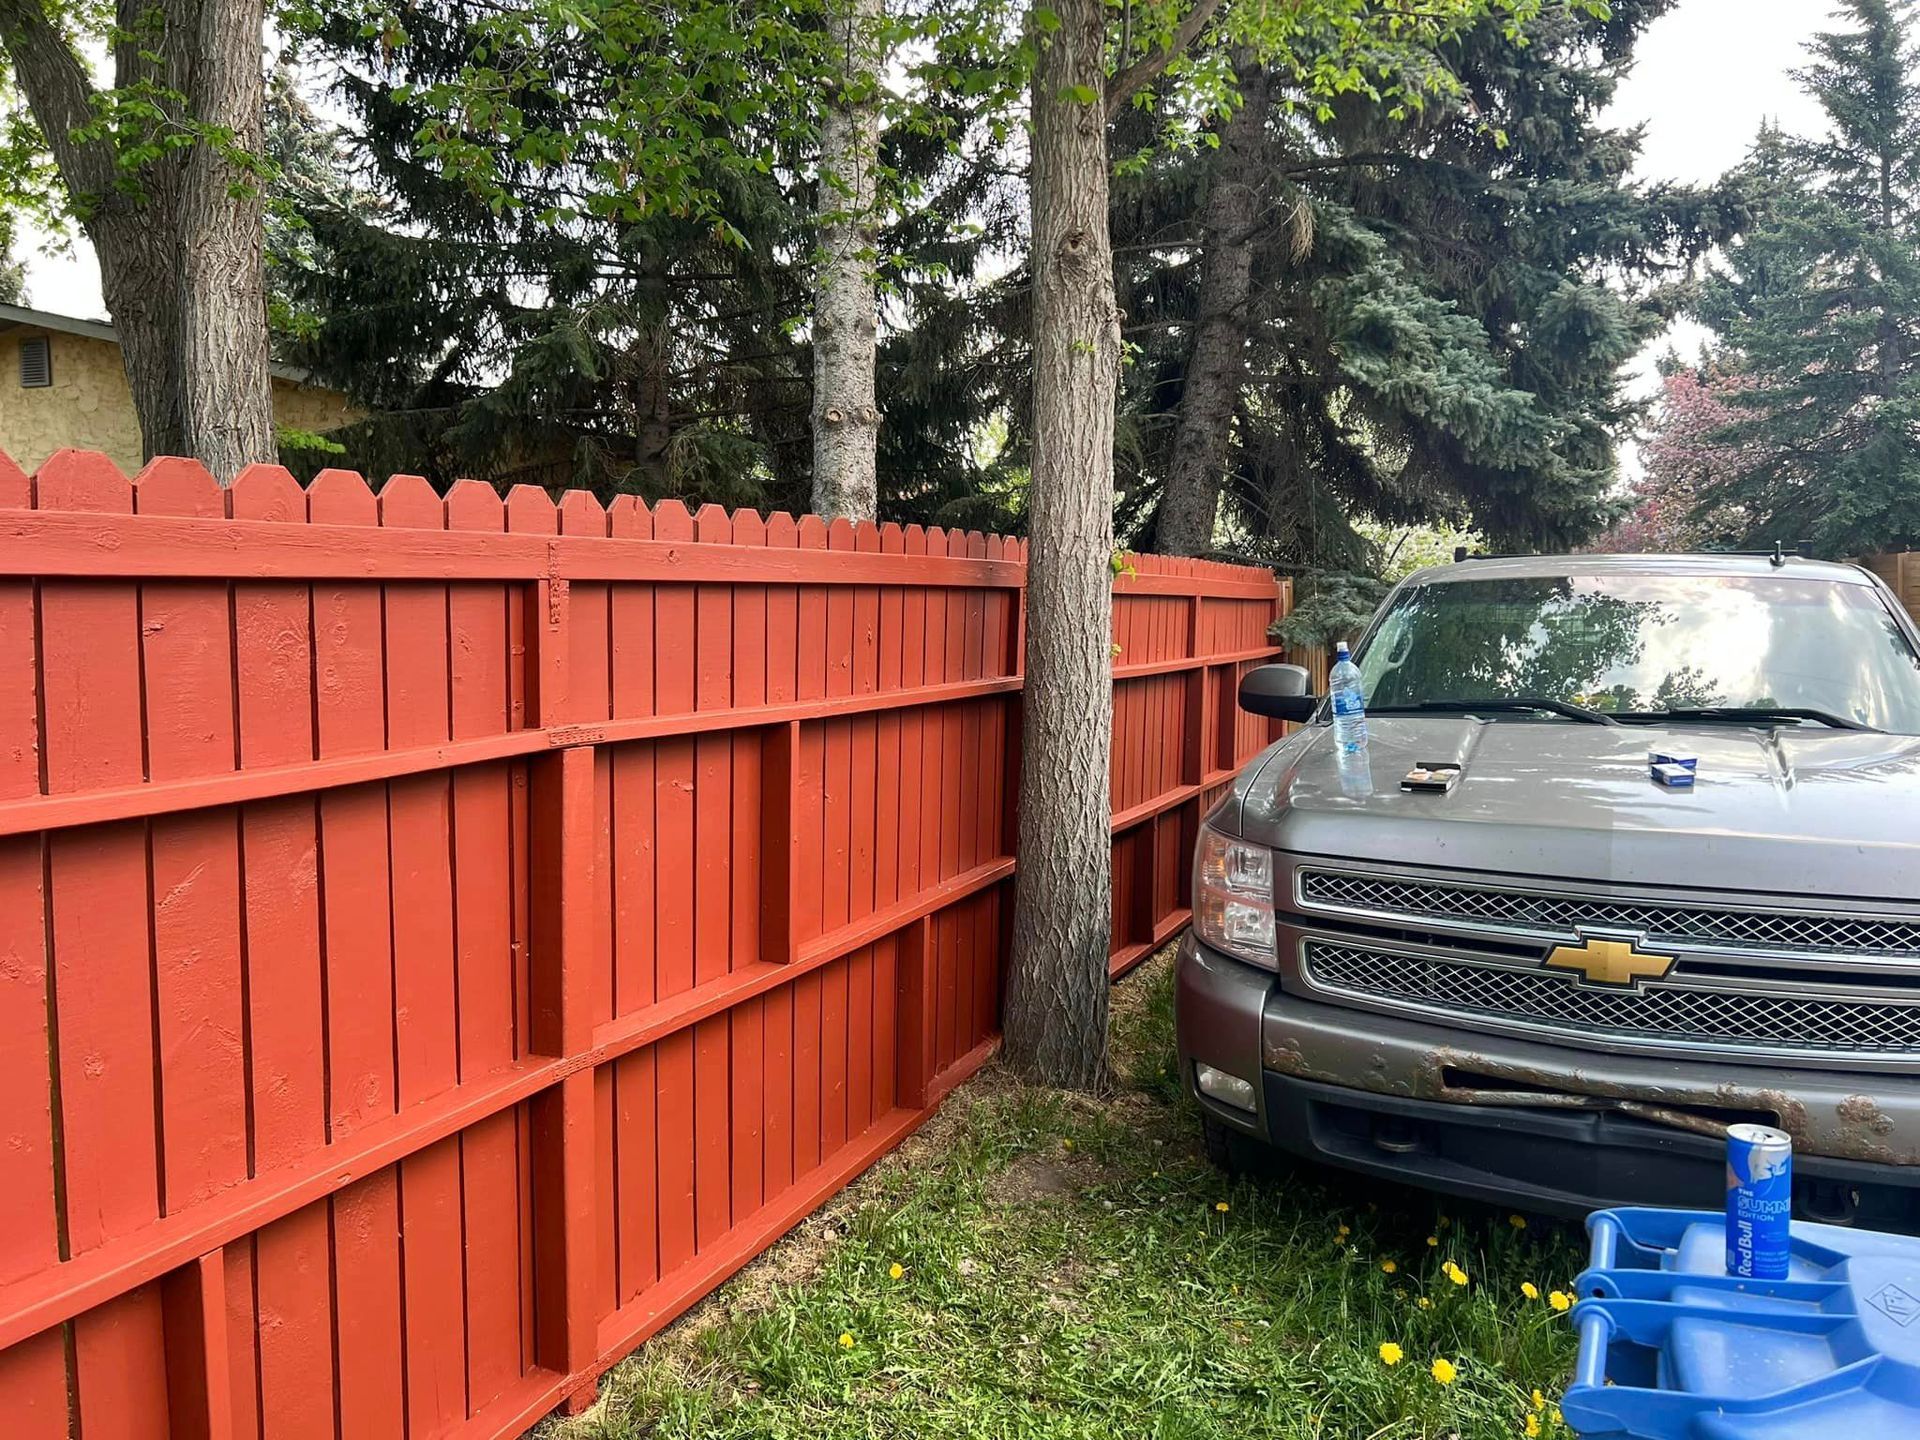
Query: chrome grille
x,y
1564,914
1657,1012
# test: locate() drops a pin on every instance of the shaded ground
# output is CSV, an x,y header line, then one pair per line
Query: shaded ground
x,y
1074,1269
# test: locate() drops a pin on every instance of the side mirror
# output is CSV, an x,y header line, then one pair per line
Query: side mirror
x,y
1279,692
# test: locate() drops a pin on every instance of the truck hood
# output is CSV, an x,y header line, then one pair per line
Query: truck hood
x,y
1787,811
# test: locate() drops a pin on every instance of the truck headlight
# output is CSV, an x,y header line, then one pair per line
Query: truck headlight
x,y
1233,898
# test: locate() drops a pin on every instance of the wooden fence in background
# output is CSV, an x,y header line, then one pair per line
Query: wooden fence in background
x,y
441,938
1901,571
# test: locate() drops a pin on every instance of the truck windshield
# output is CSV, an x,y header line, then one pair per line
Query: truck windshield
x,y
1647,644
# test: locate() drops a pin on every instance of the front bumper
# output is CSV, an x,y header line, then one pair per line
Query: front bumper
x,y
1409,1100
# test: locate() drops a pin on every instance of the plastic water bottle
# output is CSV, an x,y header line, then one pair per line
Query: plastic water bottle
x,y
1349,703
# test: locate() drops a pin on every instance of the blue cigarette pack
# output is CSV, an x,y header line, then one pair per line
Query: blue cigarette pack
x,y
1674,777
1672,757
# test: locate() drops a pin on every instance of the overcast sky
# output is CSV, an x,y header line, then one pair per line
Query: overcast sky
x,y
1706,76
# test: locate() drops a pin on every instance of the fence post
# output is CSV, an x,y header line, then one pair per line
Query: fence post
x,y
560,959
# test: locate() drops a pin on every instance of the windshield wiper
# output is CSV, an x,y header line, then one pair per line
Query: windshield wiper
x,y
1518,704
1747,712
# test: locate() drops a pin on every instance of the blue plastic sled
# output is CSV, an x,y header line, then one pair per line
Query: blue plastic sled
x,y
1672,1348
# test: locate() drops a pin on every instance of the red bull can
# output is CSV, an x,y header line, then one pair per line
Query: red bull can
x,y
1759,1201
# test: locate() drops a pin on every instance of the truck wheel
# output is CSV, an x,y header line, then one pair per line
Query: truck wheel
x,y
1233,1153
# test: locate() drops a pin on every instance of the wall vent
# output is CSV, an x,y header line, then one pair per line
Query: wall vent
x,y
36,362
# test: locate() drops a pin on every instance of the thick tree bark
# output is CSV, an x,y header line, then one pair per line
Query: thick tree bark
x,y
846,417
180,262
1056,1003
653,414
1216,368
227,387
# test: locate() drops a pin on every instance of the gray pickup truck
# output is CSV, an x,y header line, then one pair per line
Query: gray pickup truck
x,y
1554,985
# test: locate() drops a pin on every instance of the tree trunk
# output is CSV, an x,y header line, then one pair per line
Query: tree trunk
x,y
180,262
846,418
226,385
1216,368
141,288
653,414
1056,1003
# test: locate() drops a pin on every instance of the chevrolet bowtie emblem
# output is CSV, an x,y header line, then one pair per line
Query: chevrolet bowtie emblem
x,y
1610,962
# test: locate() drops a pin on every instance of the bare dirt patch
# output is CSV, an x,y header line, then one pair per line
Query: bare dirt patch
x,y
1031,1178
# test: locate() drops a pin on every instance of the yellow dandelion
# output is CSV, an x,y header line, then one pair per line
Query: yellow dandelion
x,y
1539,1400
1342,1233
1443,1370
1391,1354
895,1271
846,1341
1388,1267
1066,1144
1425,1303
1560,1300
1518,1222
1456,1274
1532,1292
1533,1425
1222,1206
1433,1242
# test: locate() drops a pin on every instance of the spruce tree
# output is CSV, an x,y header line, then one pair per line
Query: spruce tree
x,y
1820,305
1438,307
532,312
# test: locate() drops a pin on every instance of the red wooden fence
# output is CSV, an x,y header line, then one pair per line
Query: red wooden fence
x,y
442,938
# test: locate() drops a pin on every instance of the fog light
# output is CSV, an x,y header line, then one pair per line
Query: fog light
x,y
1227,1089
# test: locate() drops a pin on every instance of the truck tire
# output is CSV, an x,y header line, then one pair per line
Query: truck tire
x,y
1233,1153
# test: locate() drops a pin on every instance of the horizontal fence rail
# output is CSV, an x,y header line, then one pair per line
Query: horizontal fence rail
x,y
443,937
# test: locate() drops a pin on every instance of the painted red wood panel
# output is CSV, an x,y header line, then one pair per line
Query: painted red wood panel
x,y
636,1175
367,1283
294,1286
349,712
349,707
33,1377
674,1142
98,888
273,666
778,1076
187,657
838,859
487,964
431,1264
606,1197
420,813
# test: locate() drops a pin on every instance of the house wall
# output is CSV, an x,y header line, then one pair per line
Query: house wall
x,y
88,406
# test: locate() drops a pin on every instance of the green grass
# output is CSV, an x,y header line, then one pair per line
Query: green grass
x,y
1073,1269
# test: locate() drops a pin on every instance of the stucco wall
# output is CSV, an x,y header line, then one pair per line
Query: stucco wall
x,y
88,406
